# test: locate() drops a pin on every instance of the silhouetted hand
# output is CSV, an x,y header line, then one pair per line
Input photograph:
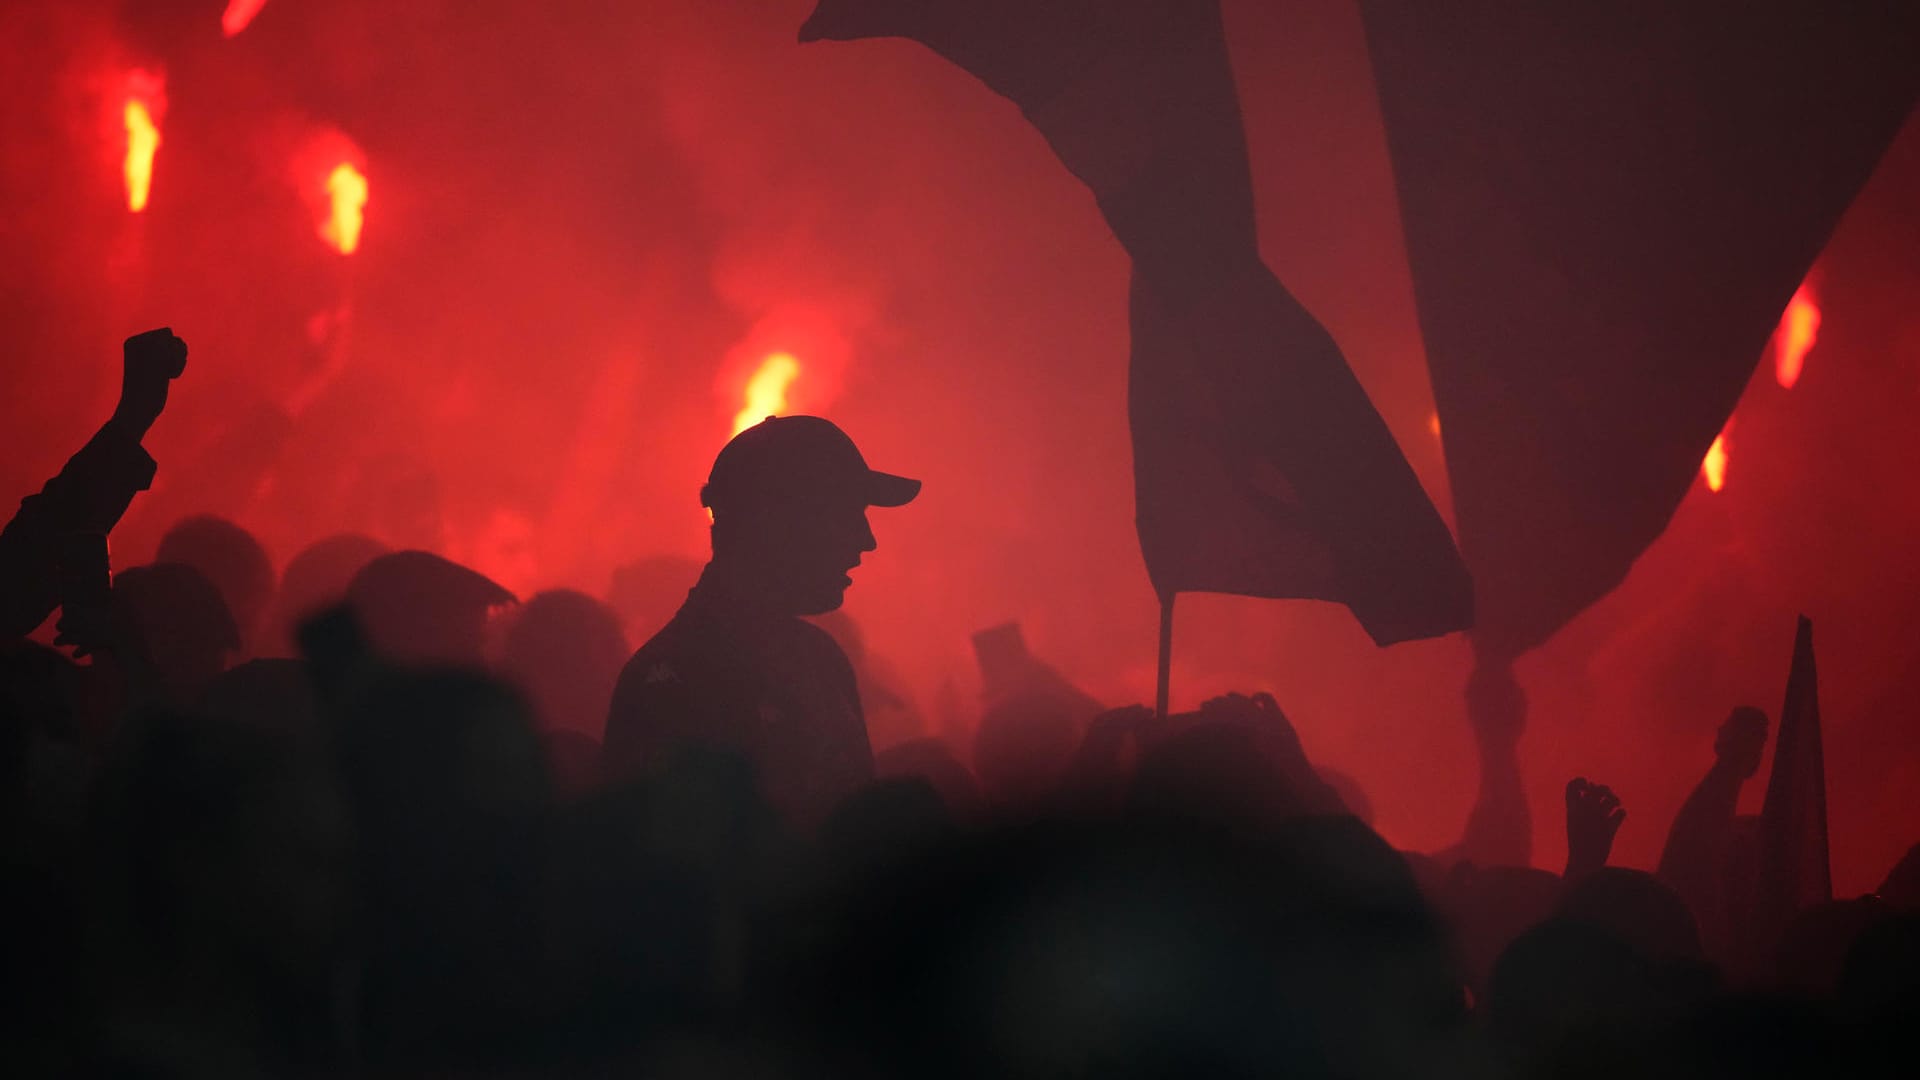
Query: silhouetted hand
x,y
149,362
86,628
1262,715
1258,711
1097,771
1742,740
1113,726
1594,815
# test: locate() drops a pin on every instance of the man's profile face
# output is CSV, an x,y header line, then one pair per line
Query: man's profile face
x,y
807,551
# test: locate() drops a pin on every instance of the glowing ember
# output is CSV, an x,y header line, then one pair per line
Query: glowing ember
x,y
767,391
347,191
1799,329
1714,467
141,115
238,14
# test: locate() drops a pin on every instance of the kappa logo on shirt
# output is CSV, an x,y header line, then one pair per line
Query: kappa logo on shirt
x,y
662,673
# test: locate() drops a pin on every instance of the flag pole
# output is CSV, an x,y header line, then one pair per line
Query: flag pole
x,y
1165,673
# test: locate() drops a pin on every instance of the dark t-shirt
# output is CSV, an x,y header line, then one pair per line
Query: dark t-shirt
x,y
772,687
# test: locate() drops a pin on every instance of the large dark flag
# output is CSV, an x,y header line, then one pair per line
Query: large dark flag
x,y
1606,207
1795,872
1260,466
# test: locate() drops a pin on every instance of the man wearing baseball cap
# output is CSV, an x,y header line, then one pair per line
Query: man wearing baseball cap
x,y
737,667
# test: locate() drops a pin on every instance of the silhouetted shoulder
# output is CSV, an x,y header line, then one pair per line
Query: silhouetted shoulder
x,y
815,644
655,701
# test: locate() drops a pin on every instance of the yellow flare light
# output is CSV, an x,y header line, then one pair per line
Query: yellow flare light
x,y
1714,467
347,192
766,393
1799,329
143,141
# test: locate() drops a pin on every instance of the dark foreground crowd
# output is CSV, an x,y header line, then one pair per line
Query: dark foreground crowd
x,y
331,821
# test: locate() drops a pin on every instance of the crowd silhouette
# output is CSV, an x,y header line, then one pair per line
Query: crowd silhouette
x,y
372,815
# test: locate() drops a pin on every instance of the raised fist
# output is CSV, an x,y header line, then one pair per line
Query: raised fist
x,y
149,362
1594,815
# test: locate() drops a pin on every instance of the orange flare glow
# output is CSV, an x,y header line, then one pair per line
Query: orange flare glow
x,y
143,139
1714,467
347,191
766,393
238,14
140,114
1799,329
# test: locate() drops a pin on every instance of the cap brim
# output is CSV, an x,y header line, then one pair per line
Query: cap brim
x,y
886,489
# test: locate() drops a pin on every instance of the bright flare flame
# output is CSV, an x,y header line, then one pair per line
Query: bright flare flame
x,y
767,391
143,140
1714,467
1799,329
140,115
347,190
238,14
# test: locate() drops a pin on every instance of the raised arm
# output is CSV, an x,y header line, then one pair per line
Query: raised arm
x,y
1594,815
91,493
1694,861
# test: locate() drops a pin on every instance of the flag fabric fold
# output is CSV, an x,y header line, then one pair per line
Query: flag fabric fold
x,y
1261,468
1795,870
1606,208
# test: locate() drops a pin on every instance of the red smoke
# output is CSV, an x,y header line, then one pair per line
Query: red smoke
x,y
587,227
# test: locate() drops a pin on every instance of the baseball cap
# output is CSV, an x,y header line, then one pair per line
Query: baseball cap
x,y
799,455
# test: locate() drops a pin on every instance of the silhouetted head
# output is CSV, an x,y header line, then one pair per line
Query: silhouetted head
x,y
885,821
1561,977
270,695
182,622
789,498
417,607
932,760
231,558
1742,740
317,577
1639,909
1489,907
565,650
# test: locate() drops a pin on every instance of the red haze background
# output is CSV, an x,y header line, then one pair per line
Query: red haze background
x,y
588,224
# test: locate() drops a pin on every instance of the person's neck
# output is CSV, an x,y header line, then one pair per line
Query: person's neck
x,y
727,585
